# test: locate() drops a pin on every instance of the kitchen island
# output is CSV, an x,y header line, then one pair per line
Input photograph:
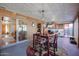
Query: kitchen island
x,y
15,49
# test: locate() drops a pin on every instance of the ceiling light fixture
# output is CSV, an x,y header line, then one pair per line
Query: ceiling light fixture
x,y
42,12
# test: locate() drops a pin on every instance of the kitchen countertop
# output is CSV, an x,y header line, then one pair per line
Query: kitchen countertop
x,y
12,44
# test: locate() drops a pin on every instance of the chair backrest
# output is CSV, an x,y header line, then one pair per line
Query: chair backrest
x,y
35,39
55,38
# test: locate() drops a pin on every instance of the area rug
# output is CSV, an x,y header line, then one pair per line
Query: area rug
x,y
61,52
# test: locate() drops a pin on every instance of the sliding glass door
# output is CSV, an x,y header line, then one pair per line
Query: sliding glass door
x,y
68,29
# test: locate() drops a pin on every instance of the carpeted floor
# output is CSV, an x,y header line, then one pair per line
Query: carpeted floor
x,y
65,48
71,49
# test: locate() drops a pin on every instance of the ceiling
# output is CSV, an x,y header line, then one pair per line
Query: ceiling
x,y
57,12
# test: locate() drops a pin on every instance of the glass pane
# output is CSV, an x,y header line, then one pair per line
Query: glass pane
x,y
22,30
68,29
